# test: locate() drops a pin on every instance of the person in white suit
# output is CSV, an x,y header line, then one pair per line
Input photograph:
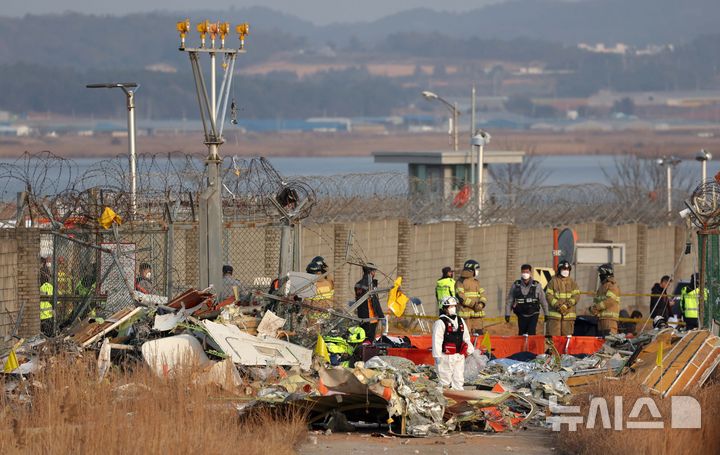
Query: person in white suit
x,y
450,345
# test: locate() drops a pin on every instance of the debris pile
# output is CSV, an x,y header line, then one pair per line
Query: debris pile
x,y
266,351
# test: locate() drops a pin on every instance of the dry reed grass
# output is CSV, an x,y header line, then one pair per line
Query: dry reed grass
x,y
136,412
705,440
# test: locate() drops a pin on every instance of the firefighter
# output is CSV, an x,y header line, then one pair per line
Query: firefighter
x,y
370,308
563,294
525,299
471,296
450,345
325,288
690,302
445,286
606,304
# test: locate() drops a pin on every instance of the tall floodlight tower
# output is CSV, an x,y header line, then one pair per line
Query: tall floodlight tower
x,y
213,106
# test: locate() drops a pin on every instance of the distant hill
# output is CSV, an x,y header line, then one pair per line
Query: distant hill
x,y
631,21
133,41
139,40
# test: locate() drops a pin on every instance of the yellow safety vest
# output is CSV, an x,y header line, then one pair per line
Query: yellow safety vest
x,y
46,309
445,287
691,302
324,293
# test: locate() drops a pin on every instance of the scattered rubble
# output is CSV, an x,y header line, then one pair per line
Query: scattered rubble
x,y
348,383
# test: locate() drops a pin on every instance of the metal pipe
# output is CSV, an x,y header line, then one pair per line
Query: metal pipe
x,y
213,93
480,178
669,188
455,127
473,120
131,150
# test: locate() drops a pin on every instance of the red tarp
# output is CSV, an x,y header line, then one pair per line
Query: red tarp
x,y
502,346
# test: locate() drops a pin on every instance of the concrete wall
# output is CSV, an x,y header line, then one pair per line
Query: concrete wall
x,y
419,252
19,281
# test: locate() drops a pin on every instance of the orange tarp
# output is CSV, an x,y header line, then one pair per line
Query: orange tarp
x,y
502,346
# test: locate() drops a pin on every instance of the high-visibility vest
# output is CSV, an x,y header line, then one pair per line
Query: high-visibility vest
x,y
691,302
325,290
46,309
445,287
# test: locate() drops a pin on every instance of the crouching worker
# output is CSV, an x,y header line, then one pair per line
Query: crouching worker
x,y
450,345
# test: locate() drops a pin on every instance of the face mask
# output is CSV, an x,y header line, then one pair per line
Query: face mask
x,y
148,275
452,310
565,273
475,273
525,276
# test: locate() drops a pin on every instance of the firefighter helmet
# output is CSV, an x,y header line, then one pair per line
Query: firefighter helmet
x,y
564,265
319,264
471,264
606,270
314,267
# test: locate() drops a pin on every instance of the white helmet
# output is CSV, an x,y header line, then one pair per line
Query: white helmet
x,y
449,301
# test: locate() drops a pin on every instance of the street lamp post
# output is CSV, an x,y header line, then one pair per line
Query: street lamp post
x,y
479,140
703,157
669,163
127,87
430,96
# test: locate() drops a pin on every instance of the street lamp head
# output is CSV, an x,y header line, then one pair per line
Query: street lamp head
x,y
429,95
113,85
703,155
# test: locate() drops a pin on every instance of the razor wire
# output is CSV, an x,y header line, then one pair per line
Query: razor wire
x,y
69,191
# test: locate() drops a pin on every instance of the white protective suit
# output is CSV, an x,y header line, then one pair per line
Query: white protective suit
x,y
450,368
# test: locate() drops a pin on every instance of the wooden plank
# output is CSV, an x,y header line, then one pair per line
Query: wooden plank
x,y
89,332
111,327
690,376
675,361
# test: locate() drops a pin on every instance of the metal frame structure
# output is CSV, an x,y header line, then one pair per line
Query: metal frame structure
x,y
211,213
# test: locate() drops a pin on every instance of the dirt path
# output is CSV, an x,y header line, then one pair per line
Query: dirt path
x,y
527,442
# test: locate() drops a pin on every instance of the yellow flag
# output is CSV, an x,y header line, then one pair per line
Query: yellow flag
x,y
321,349
109,217
397,301
11,364
486,343
659,358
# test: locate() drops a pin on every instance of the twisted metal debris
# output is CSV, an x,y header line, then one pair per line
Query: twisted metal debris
x,y
171,183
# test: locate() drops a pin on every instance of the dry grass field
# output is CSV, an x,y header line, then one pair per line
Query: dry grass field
x,y
135,412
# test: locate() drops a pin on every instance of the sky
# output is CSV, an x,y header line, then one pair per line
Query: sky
x,y
317,11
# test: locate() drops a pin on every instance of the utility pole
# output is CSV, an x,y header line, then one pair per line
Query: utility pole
x,y
212,116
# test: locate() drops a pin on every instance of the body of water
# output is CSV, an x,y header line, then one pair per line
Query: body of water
x,y
561,170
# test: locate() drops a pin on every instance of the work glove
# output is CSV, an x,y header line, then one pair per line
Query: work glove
x,y
507,318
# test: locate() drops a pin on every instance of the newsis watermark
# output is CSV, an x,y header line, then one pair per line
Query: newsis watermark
x,y
685,413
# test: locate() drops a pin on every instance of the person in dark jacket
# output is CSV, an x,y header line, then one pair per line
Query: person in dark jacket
x,y
660,303
370,308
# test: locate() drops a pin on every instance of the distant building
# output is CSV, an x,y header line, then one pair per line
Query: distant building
x,y
444,173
